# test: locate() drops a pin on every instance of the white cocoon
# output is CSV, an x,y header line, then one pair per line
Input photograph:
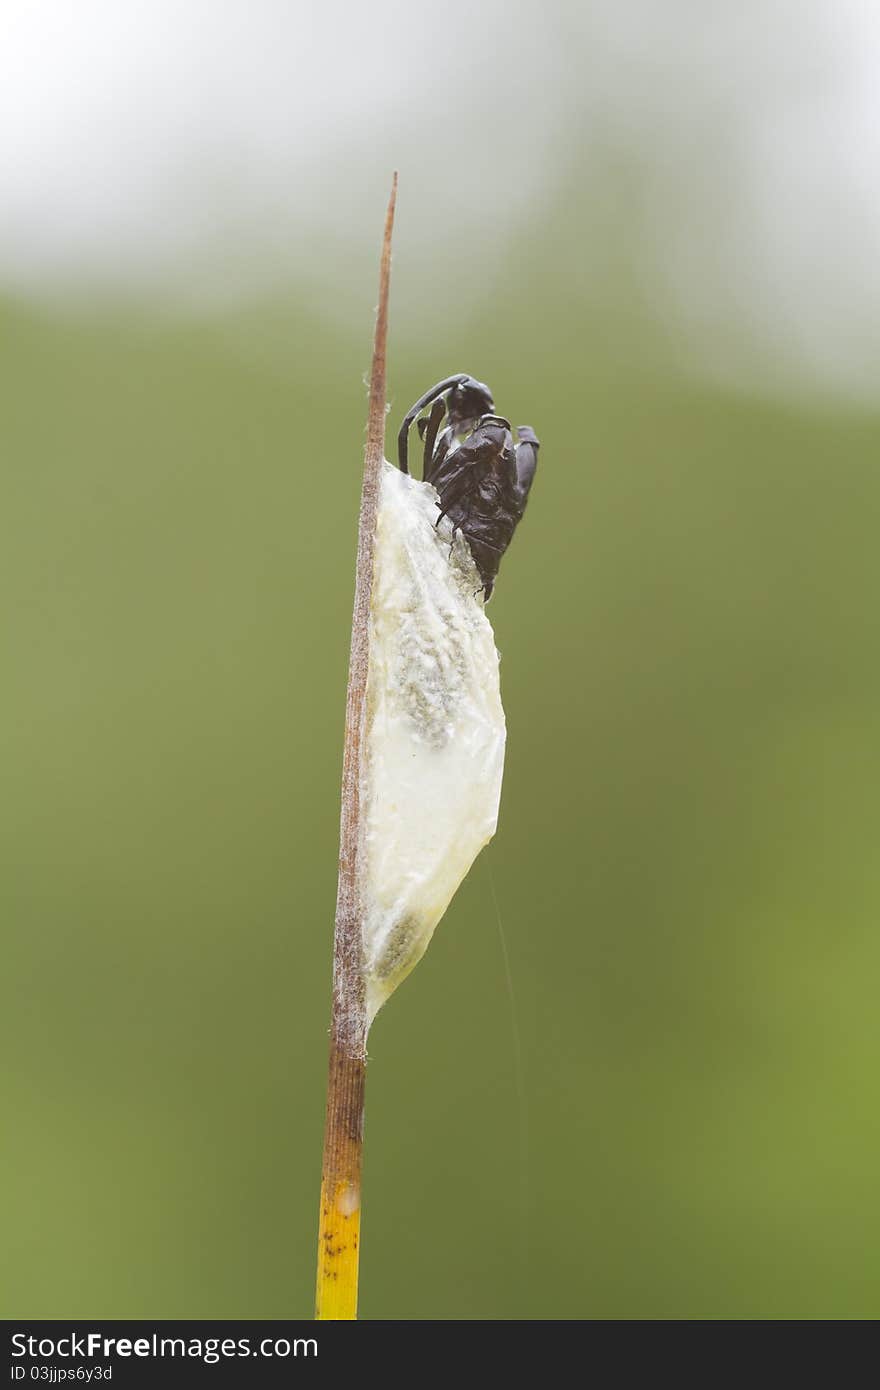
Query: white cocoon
x,y
435,731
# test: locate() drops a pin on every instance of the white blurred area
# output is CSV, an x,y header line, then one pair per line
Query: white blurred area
x,y
190,153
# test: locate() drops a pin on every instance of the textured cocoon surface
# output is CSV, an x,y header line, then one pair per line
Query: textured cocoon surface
x,y
435,730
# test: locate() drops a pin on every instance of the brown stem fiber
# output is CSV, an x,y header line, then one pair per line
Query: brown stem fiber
x,y
339,1225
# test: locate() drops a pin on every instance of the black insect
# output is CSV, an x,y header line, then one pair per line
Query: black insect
x,y
482,478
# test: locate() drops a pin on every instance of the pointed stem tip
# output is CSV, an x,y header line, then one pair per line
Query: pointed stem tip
x,y
376,417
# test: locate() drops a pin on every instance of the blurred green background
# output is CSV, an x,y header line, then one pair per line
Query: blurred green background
x,y
683,1121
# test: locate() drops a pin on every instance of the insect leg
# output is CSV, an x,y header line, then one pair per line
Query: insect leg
x,y
437,412
452,494
446,440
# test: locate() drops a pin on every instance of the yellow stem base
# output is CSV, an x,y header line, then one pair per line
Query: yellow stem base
x,y
338,1248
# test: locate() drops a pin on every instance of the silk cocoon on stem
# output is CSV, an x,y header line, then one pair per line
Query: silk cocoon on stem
x,y
435,731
